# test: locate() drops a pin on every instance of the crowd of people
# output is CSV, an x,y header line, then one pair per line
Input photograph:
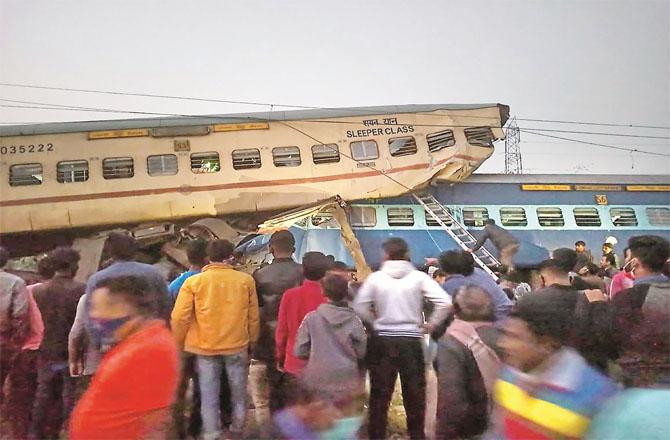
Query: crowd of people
x,y
569,348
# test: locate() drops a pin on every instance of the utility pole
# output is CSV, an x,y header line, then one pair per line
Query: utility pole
x,y
513,163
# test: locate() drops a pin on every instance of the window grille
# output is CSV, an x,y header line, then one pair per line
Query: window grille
x,y
439,140
162,165
365,216
623,217
118,168
364,150
286,156
402,146
25,174
475,216
658,216
328,153
515,216
430,221
69,171
479,136
550,217
400,216
246,158
587,217
203,163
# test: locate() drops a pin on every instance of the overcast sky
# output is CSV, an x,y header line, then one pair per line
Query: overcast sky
x,y
591,61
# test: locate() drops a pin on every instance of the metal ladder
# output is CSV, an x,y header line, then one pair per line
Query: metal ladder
x,y
457,231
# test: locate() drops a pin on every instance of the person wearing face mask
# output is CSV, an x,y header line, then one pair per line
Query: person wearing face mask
x,y
641,314
547,389
131,393
57,302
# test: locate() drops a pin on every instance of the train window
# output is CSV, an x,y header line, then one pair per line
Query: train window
x,y
203,163
515,216
363,216
162,165
400,216
475,216
587,217
658,216
325,153
286,156
118,168
430,221
246,158
623,217
364,150
402,146
439,140
69,171
550,217
479,136
25,174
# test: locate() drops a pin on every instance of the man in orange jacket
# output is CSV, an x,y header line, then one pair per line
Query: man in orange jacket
x,y
216,318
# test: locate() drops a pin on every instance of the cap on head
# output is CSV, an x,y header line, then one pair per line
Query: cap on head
x,y
611,240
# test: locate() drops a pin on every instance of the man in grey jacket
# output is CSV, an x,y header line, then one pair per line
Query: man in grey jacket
x,y
397,292
506,244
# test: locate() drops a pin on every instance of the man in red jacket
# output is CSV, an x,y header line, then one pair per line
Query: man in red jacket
x,y
295,304
135,384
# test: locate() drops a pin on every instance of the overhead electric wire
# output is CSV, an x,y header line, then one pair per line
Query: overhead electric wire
x,y
305,107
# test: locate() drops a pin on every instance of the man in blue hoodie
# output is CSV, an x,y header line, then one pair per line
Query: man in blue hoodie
x,y
397,292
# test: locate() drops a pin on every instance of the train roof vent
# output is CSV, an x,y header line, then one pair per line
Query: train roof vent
x,y
400,216
623,216
658,216
586,217
246,158
202,163
439,140
550,216
25,174
286,156
513,216
325,153
363,216
162,165
118,168
479,136
69,171
402,146
475,216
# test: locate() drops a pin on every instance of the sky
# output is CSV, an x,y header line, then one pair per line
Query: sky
x,y
580,61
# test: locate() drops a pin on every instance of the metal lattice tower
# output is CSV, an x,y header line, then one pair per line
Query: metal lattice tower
x,y
513,163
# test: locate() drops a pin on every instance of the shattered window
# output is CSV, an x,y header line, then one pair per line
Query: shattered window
x,y
402,146
246,158
364,150
25,174
325,153
286,156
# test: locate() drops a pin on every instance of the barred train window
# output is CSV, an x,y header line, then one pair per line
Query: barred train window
x,y
515,216
69,171
586,217
162,165
365,216
400,216
364,150
118,168
623,216
479,136
286,156
25,174
658,216
550,217
439,140
402,146
246,158
430,221
327,153
203,163
475,216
